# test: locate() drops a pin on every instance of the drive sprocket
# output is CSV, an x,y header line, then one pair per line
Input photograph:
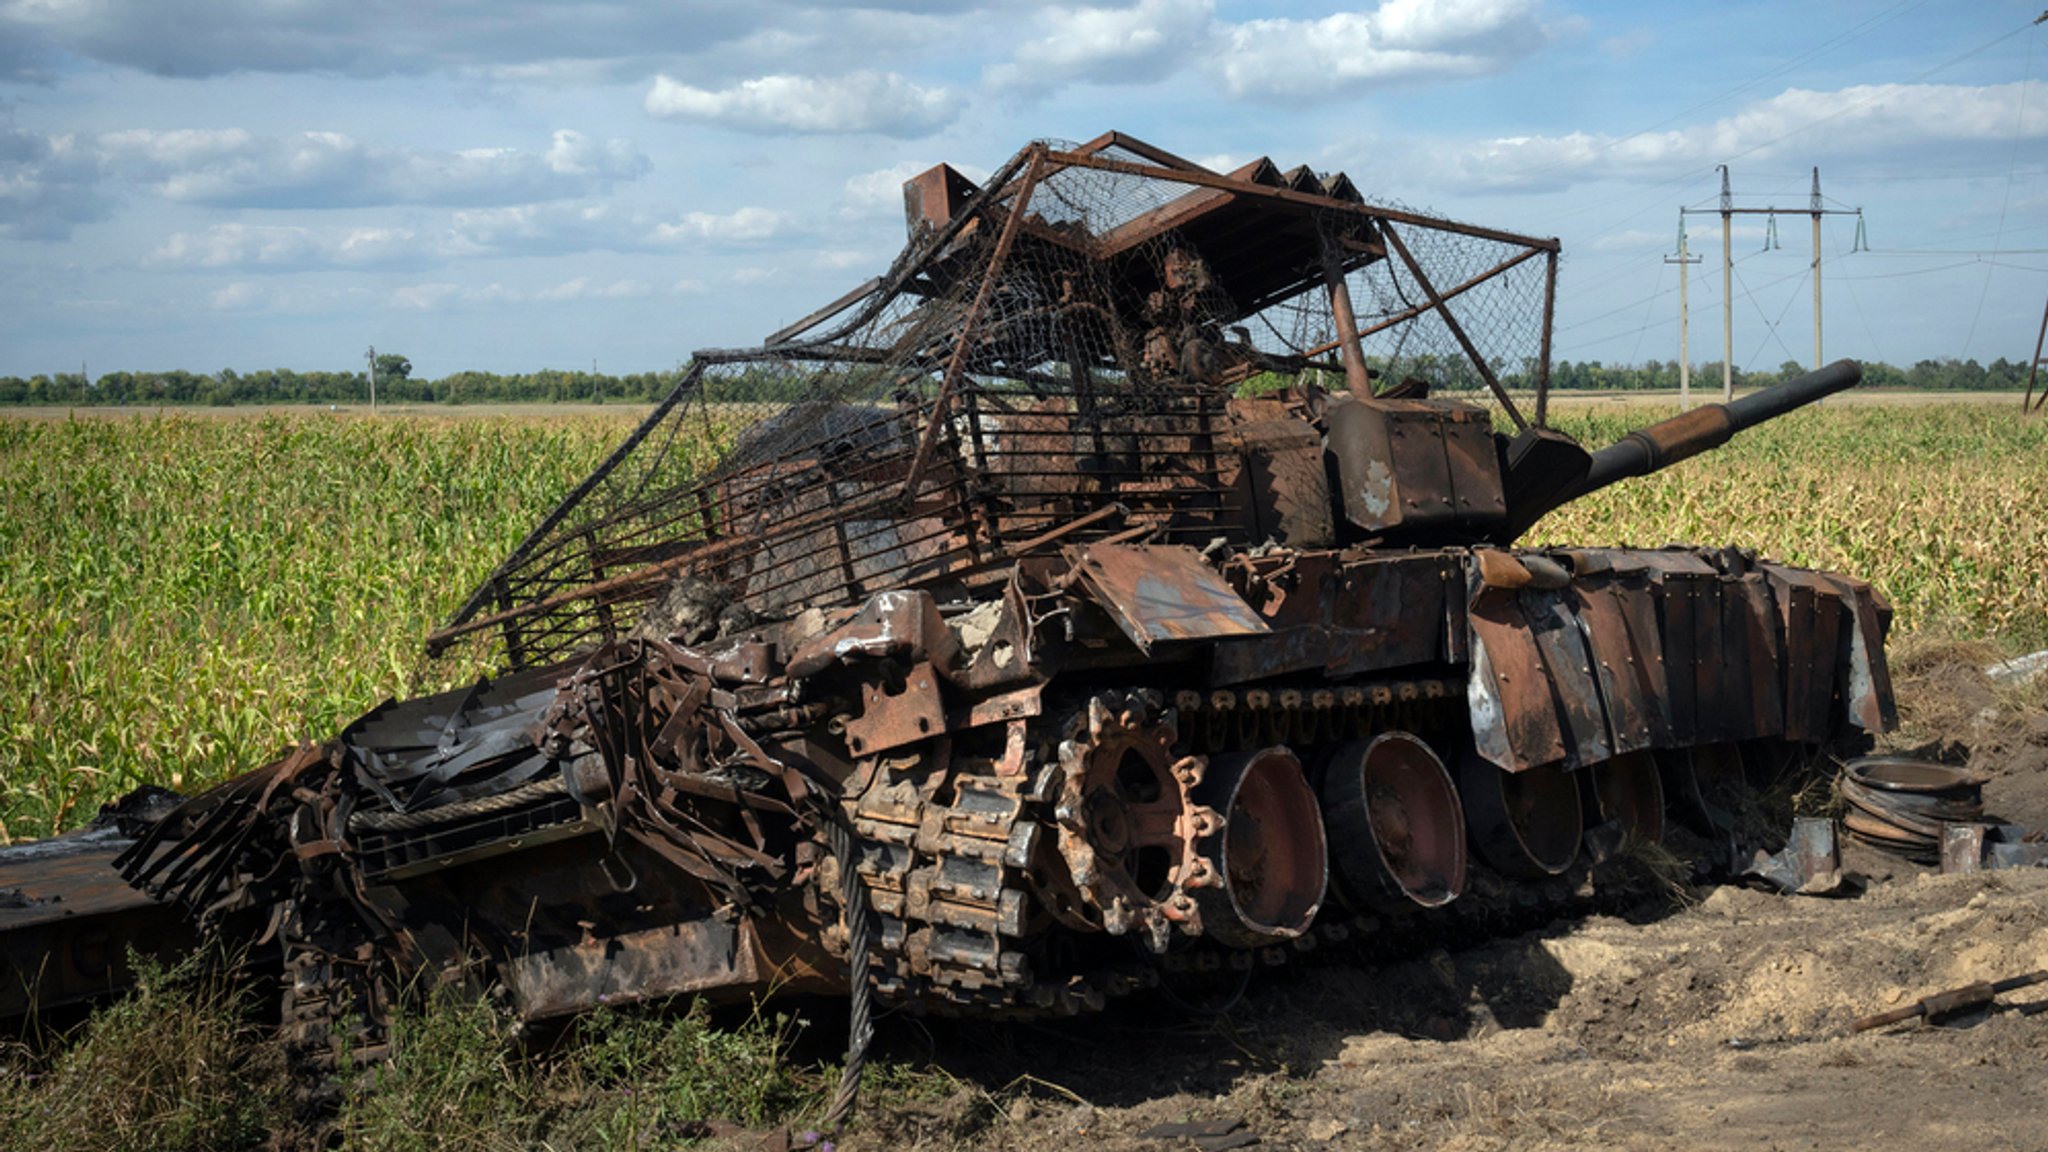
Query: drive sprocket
x,y
1128,825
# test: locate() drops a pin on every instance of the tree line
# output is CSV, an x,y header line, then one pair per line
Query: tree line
x,y
1947,374
397,385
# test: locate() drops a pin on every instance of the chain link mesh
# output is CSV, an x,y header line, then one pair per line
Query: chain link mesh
x,y
1056,352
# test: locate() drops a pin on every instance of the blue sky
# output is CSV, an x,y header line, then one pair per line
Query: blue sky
x,y
512,184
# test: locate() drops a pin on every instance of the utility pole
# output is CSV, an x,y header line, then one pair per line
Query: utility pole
x,y
1817,213
371,355
1728,212
1684,318
1727,291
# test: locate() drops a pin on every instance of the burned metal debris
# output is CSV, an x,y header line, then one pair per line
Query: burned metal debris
x,y
1123,583
1902,805
1951,1003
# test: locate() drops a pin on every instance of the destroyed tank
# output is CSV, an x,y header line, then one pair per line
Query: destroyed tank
x,y
1123,583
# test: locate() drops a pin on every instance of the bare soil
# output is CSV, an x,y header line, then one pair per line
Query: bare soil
x,y
1722,1023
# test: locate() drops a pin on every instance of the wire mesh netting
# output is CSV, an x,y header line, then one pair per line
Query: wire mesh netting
x,y
1054,356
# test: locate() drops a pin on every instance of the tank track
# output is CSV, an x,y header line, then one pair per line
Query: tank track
x,y
945,856
335,1000
945,879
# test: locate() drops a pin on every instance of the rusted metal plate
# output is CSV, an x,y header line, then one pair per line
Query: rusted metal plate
x,y
1570,667
1162,593
1764,648
1278,653
1409,464
669,960
1866,679
1389,612
1717,687
1637,600
890,624
890,719
1635,710
68,921
1284,485
1514,724
1346,615
1812,611
1679,597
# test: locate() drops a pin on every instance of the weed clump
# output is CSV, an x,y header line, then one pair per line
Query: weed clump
x,y
179,1063
624,1079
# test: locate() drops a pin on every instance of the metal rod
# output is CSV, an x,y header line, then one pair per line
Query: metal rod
x,y
1355,376
1451,322
1543,352
958,363
1308,200
685,387
1411,313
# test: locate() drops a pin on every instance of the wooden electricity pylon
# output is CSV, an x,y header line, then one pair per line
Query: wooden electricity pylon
x,y
1684,262
1728,212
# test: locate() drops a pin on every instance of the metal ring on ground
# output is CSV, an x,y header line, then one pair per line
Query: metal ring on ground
x,y
1525,823
1270,852
1397,830
1904,774
1626,790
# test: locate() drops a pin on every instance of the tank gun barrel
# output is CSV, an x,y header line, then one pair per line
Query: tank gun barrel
x,y
1688,434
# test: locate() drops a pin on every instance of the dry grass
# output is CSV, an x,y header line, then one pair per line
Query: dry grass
x,y
178,1064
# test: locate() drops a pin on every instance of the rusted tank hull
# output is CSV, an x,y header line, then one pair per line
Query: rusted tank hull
x,y
654,819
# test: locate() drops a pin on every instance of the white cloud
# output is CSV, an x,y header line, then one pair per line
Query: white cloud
x,y
738,226
583,288
839,259
49,184
236,297
196,38
425,297
1134,45
1628,43
284,248
1399,41
879,102
880,192
440,295
233,167
1871,119
518,230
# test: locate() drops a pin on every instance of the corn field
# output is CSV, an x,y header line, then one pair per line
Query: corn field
x,y
182,597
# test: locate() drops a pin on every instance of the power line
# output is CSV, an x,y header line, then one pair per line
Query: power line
x,y
1868,25
2019,125
1780,138
1771,326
